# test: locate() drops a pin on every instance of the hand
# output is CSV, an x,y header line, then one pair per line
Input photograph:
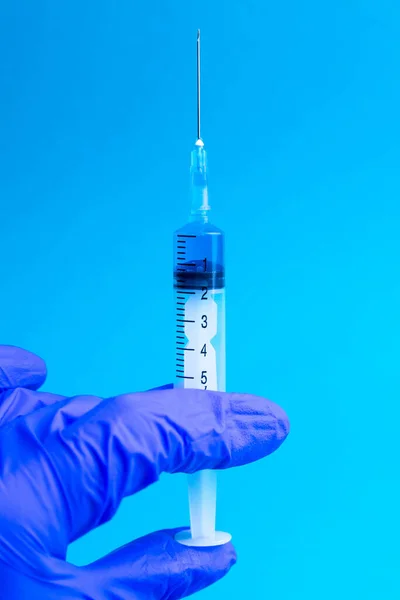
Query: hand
x,y
66,464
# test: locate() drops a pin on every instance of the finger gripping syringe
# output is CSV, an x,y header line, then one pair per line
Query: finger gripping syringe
x,y
199,282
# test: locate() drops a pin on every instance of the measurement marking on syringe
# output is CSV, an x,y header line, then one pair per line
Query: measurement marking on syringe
x,y
181,303
181,235
184,377
181,252
185,321
180,337
183,292
188,349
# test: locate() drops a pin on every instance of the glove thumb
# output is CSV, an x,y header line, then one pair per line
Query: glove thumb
x,y
157,567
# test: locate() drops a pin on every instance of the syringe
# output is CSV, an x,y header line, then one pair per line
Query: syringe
x,y
199,282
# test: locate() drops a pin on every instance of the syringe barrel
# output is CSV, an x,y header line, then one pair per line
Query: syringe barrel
x,y
199,282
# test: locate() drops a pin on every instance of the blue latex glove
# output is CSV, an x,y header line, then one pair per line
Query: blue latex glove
x,y
66,464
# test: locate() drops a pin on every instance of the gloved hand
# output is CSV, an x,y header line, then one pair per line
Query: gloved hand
x,y
66,464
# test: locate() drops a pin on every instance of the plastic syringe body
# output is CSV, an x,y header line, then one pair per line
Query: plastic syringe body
x,y
199,282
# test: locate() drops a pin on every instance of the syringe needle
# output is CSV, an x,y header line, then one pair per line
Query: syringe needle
x,y
198,84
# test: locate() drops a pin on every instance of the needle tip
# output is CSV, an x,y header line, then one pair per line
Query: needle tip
x,y
198,34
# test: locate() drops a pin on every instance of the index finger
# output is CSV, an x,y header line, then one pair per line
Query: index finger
x,y
20,368
123,444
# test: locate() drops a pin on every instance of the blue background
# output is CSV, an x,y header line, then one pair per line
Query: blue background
x,y
301,122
